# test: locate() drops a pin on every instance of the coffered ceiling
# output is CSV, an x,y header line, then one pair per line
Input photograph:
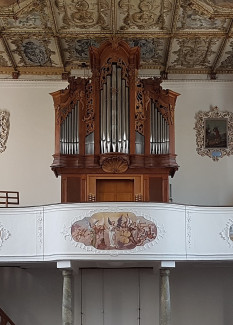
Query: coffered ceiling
x,y
52,37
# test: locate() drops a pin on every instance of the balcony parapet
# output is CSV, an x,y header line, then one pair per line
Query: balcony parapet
x,y
133,231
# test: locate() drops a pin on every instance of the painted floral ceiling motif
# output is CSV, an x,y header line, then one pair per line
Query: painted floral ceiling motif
x,y
52,37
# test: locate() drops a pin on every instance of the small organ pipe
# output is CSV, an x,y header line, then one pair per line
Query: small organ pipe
x,y
70,132
114,117
123,116
152,120
101,120
77,128
69,137
119,107
155,151
127,119
159,133
104,118
108,113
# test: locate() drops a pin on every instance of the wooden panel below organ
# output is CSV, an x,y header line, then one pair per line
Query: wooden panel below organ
x,y
114,188
72,190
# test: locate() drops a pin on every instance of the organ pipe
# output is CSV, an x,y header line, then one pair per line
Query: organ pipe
x,y
114,101
69,137
119,112
159,133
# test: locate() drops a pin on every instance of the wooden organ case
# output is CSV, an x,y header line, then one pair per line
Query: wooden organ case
x,y
114,132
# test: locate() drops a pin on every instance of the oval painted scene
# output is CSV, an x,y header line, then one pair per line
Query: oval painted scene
x,y
231,232
114,230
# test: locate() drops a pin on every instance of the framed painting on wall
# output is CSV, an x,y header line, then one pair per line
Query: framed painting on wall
x,y
214,133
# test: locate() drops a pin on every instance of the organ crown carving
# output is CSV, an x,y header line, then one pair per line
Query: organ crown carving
x,y
114,121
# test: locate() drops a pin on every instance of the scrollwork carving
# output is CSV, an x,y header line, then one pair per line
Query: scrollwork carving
x,y
4,129
139,109
89,113
4,235
83,14
116,165
69,97
194,52
107,70
145,14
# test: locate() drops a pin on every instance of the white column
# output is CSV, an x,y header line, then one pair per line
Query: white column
x,y
67,308
165,302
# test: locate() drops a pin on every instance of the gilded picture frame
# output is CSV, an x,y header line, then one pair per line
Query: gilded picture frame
x,y
214,133
4,129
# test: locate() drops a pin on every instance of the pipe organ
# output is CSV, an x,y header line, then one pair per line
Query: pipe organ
x,y
114,132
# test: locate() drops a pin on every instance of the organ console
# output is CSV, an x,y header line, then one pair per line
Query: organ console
x,y
114,132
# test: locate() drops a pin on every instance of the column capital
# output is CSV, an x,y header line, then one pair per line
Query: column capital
x,y
67,272
165,272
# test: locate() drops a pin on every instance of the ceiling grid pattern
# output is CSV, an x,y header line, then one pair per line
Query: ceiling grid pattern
x,y
52,37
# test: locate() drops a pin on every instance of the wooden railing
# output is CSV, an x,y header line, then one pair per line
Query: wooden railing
x,y
9,197
4,319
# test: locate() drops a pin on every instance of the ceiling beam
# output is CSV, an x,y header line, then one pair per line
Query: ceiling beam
x,y
15,73
56,34
174,19
222,48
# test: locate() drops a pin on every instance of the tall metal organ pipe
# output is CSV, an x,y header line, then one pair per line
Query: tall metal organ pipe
x,y
114,113
159,133
69,133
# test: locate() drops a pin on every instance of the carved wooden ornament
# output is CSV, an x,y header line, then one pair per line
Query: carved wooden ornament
x,y
115,165
4,129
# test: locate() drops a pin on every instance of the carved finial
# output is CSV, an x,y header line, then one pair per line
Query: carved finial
x,y
65,75
213,75
164,75
15,74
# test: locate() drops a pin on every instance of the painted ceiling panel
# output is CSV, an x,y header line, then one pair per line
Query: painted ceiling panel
x,y
226,61
34,51
140,15
72,16
191,19
4,59
195,53
152,50
175,36
76,51
29,15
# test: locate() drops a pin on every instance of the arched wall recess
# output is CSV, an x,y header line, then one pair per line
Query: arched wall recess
x,y
214,133
4,129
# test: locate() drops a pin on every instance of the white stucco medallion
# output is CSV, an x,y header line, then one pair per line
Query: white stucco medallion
x,y
4,235
4,129
227,233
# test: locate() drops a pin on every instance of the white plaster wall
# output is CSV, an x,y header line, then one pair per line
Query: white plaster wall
x,y
200,180
200,295
25,165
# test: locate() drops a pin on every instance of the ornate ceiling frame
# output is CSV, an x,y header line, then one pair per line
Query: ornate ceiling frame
x,y
4,129
211,139
168,32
